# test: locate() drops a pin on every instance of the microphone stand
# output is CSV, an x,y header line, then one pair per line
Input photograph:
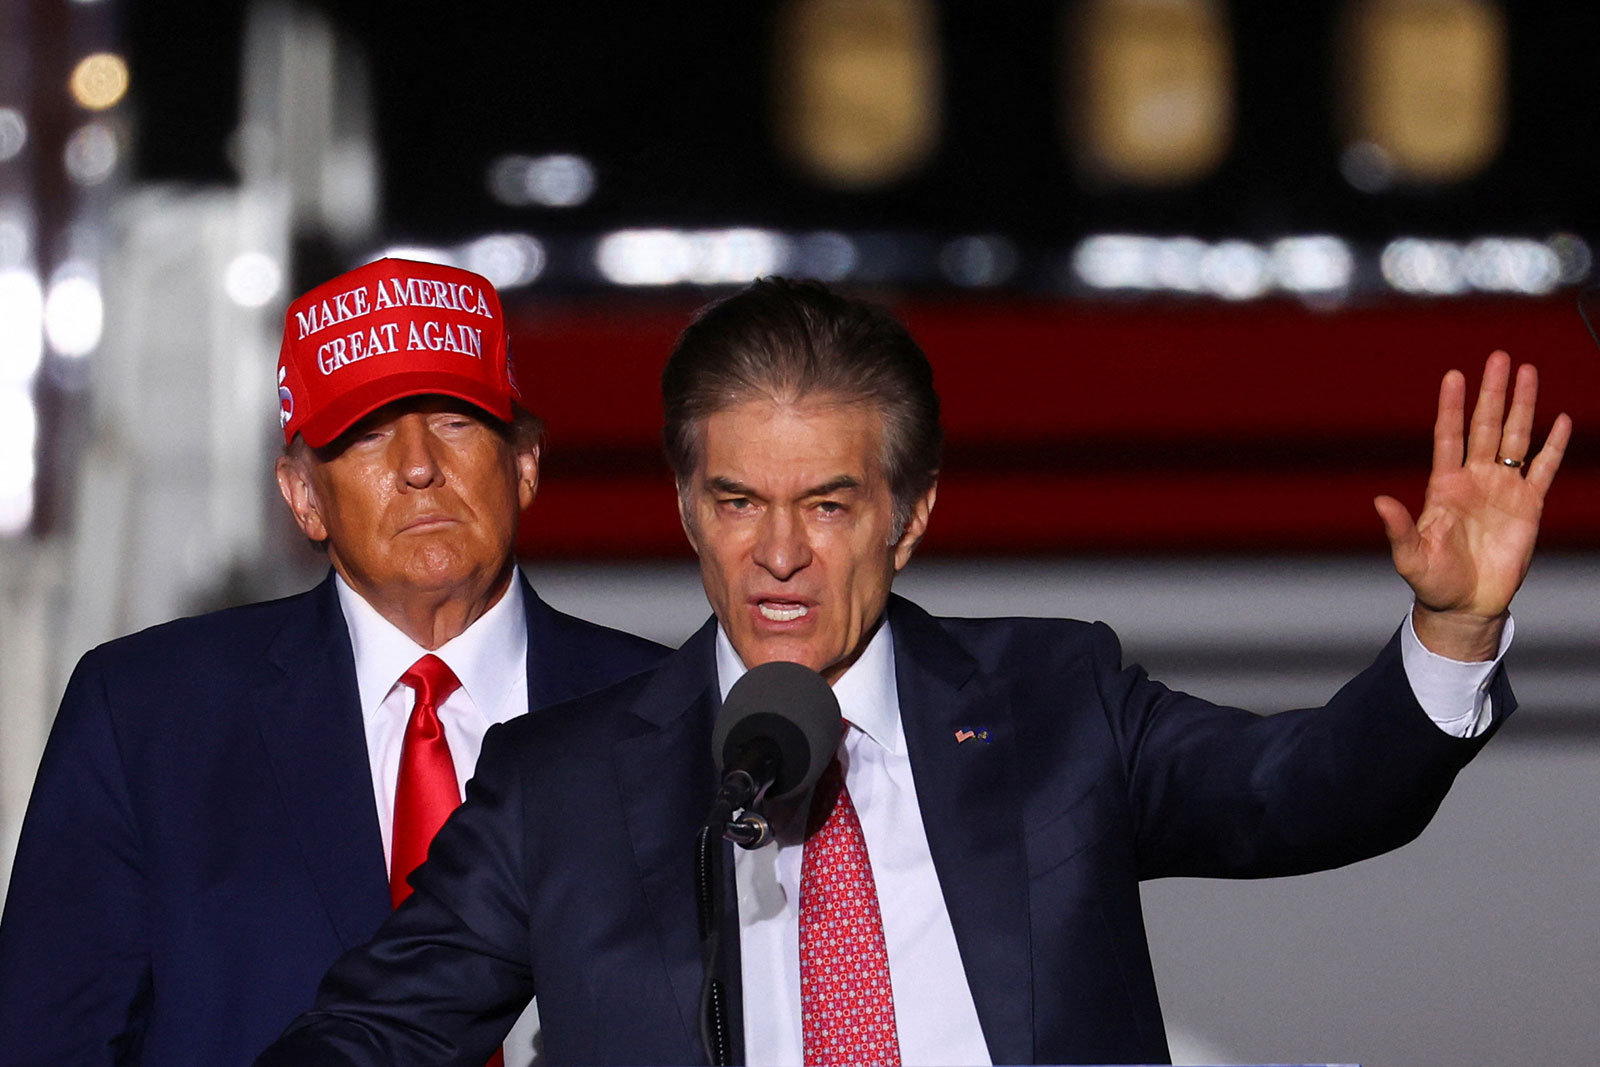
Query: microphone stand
x,y
749,829
709,889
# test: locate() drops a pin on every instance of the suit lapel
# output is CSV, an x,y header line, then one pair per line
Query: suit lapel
x,y
970,799
553,675
310,722
665,776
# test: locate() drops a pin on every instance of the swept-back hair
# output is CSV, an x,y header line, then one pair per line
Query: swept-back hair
x,y
788,340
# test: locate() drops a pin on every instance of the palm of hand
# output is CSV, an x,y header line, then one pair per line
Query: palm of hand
x,y
1467,553
1474,540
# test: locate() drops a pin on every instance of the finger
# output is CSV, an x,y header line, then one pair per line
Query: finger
x,y
1542,471
1517,436
1484,436
1447,454
1404,540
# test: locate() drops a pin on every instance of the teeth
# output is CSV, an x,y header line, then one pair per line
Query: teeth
x,y
777,614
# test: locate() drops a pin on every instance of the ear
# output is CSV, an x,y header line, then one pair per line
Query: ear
x,y
527,476
916,526
301,496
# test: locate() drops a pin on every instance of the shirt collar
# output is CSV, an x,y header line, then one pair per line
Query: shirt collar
x,y
866,691
487,656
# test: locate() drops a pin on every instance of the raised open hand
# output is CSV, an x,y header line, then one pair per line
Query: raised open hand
x,y
1466,554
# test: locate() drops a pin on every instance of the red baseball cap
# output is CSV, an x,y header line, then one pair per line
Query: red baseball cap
x,y
390,329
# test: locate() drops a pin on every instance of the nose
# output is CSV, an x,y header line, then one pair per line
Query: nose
x,y
414,453
782,547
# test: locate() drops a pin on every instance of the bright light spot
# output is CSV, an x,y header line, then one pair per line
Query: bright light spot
x,y
1511,265
506,259
252,279
14,242
1312,264
1112,261
549,181
18,428
422,254
13,133
704,257
1176,263
1367,167
99,81
978,261
1417,265
1575,257
1235,270
91,153
73,312
1124,261
825,256
21,327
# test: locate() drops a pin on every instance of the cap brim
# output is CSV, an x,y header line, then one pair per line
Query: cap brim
x,y
345,410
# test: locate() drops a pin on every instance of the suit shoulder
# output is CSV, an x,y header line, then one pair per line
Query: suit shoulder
x,y
1006,641
594,720
245,628
592,656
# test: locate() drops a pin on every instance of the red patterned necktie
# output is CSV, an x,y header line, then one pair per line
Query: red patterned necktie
x,y
846,1004
426,792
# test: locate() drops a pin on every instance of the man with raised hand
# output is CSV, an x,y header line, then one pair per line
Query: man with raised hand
x,y
962,885
229,802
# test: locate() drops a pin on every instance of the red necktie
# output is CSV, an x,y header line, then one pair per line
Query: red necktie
x,y
426,792
846,1004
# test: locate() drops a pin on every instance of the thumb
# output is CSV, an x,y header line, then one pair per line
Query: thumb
x,y
1404,540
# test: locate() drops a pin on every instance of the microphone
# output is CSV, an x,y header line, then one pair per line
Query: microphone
x,y
775,734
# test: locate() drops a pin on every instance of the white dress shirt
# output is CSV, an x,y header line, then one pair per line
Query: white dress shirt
x,y
934,1011
490,658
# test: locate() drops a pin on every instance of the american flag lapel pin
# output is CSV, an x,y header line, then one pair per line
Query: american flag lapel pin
x,y
981,733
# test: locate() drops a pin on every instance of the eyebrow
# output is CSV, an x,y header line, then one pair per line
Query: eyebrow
x,y
719,484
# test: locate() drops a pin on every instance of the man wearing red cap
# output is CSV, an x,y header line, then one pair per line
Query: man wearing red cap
x,y
229,802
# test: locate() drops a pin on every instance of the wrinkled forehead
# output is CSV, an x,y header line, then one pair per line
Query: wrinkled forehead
x,y
781,444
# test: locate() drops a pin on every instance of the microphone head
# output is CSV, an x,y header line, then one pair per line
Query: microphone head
x,y
793,707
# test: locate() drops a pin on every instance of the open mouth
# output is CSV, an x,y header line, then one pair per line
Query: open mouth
x,y
781,610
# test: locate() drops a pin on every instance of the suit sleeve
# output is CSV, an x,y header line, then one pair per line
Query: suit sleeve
x,y
448,973
1222,792
74,958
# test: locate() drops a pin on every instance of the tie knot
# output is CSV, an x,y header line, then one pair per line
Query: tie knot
x,y
432,680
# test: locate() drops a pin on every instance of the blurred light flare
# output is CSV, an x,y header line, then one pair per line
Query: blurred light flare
x,y
1235,270
1511,265
91,153
74,313
21,327
979,261
15,240
13,133
508,260
252,279
826,256
652,257
18,431
99,81
557,180
1313,264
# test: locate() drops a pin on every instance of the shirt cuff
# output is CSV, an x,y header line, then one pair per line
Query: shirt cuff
x,y
1454,694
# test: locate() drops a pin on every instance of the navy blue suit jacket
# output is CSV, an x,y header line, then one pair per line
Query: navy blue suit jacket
x,y
569,868
202,841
